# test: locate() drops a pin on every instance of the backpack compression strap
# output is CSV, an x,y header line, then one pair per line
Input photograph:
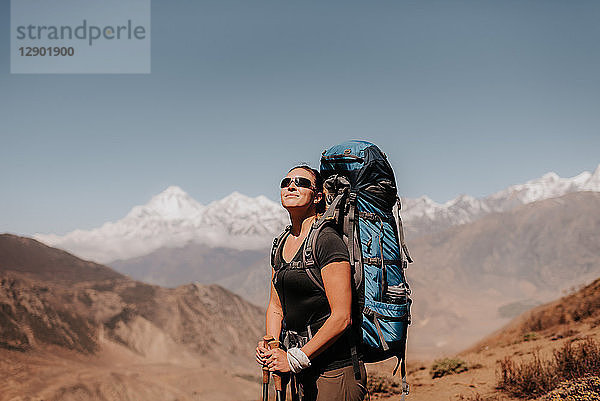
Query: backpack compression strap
x,y
401,231
404,248
349,222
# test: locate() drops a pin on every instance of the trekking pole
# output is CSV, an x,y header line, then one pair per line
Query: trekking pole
x,y
293,388
265,370
280,394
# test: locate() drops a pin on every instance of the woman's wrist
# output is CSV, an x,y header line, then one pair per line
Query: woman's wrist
x,y
297,360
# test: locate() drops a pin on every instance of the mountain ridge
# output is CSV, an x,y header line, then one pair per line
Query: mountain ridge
x,y
424,216
174,219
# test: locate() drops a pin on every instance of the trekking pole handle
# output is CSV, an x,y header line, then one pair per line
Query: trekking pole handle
x,y
265,368
276,377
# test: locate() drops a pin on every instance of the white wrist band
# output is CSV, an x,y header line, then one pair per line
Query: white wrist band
x,y
297,359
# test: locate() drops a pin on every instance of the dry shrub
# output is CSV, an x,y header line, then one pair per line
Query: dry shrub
x,y
448,366
573,361
383,386
527,379
530,379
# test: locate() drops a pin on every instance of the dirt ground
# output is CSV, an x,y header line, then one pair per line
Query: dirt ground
x,y
481,378
117,374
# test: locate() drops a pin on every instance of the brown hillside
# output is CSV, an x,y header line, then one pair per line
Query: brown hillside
x,y
531,254
34,313
61,316
553,319
28,256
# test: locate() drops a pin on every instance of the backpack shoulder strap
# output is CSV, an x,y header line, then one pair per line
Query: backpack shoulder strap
x,y
308,255
330,216
275,249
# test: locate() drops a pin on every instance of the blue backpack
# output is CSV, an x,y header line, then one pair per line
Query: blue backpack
x,y
361,194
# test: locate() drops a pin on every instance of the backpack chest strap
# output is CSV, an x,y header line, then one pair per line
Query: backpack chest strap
x,y
307,262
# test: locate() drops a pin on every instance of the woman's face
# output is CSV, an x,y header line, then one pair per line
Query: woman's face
x,y
293,196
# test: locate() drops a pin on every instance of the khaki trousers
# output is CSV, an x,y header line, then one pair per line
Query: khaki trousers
x,y
335,385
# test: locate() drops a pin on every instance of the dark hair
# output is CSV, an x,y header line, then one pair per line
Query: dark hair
x,y
318,184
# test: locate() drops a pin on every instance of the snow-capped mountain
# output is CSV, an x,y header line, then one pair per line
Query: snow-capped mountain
x,y
173,219
171,204
424,216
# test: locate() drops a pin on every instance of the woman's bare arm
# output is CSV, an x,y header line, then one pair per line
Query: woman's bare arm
x,y
274,313
274,318
338,289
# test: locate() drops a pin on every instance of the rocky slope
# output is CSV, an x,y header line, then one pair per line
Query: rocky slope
x,y
36,260
50,300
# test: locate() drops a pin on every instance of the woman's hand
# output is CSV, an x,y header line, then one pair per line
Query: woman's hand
x,y
277,360
260,353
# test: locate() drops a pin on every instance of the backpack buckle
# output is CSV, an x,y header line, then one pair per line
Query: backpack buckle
x,y
308,258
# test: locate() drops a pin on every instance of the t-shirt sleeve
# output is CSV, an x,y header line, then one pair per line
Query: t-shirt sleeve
x,y
330,247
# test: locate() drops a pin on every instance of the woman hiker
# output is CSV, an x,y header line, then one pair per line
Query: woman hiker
x,y
315,324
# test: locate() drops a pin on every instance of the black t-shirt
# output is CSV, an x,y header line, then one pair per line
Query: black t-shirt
x,y
304,303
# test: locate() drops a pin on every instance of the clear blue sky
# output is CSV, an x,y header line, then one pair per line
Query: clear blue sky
x,y
464,97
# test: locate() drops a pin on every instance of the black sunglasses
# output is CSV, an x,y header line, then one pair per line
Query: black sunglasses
x,y
300,182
